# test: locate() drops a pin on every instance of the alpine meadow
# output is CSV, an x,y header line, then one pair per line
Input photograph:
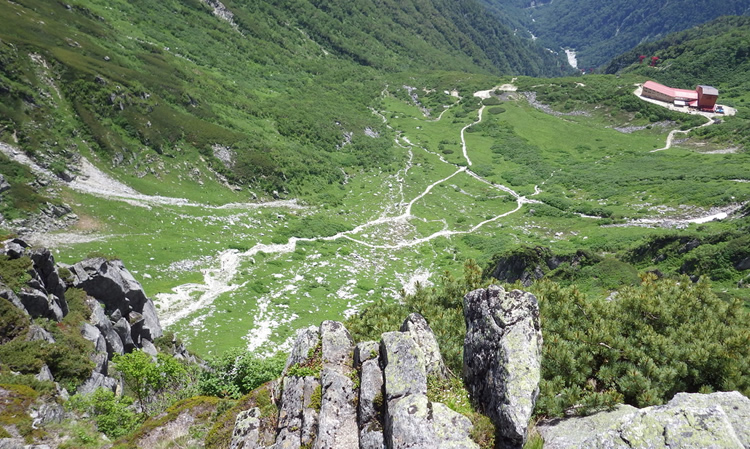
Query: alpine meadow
x,y
374,224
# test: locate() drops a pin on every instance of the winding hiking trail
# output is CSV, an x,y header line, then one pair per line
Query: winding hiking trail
x,y
189,298
670,137
185,300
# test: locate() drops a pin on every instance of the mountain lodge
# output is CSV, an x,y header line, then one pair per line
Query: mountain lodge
x,y
702,98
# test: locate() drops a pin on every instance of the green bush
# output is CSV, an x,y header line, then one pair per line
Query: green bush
x,y
13,321
155,383
112,414
237,372
15,272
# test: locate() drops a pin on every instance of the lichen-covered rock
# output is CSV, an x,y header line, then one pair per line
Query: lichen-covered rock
x,y
337,426
404,371
502,358
367,357
718,420
306,341
246,430
298,421
416,326
416,423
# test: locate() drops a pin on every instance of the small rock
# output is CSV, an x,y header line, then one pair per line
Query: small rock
x,y
246,430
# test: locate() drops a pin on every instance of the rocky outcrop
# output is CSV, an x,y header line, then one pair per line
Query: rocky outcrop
x,y
337,425
369,396
526,264
121,295
502,359
43,295
717,420
122,317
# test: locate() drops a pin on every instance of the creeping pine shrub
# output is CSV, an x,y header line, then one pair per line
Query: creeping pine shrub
x,y
650,342
237,372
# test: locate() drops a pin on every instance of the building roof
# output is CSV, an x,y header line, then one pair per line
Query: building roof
x,y
662,89
708,90
672,92
686,94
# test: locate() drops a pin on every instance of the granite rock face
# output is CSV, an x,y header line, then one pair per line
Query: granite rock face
x,y
369,396
717,420
502,359
416,326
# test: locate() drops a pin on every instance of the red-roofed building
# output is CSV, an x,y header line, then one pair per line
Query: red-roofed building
x,y
703,97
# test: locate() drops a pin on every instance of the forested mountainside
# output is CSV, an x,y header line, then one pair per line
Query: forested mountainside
x,y
600,31
716,53
281,84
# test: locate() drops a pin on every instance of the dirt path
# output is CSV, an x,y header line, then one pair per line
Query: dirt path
x,y
187,299
670,137
463,135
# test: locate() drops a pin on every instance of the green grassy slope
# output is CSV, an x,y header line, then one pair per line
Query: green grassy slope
x,y
284,84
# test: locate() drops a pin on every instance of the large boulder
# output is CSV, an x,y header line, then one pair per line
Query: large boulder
x,y
502,358
337,427
110,283
717,420
95,381
39,304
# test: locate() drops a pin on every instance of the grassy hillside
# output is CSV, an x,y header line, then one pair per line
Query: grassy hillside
x,y
285,86
600,31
